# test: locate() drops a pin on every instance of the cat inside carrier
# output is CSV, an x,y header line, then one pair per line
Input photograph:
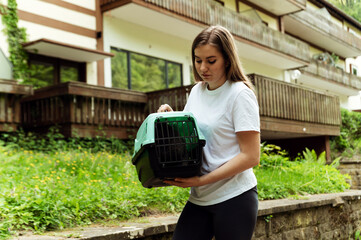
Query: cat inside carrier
x,y
168,145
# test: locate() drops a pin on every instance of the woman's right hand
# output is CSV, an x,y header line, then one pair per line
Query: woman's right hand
x,y
165,108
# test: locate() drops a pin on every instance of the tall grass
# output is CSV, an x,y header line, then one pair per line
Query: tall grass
x,y
56,189
280,177
42,191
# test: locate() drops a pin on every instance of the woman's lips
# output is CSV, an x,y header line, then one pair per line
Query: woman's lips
x,y
205,75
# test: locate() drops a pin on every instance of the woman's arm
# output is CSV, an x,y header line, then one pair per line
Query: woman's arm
x,y
249,143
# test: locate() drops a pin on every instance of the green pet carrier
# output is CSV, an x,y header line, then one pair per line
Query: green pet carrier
x,y
168,145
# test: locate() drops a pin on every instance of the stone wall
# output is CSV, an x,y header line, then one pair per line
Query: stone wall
x,y
324,216
352,168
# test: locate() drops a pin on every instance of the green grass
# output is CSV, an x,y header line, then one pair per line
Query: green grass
x,y
49,190
279,177
44,191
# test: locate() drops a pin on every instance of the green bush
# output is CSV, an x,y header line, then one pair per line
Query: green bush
x,y
280,177
56,189
55,141
349,141
43,191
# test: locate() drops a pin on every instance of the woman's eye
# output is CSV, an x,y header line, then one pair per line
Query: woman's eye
x,y
198,61
211,62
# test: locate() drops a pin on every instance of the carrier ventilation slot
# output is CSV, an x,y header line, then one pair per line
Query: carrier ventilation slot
x,y
176,143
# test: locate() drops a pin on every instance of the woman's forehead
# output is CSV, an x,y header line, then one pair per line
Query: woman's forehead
x,y
206,50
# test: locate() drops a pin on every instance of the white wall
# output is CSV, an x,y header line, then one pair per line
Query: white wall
x,y
355,101
344,102
5,67
44,9
3,42
90,4
125,35
37,31
57,13
260,69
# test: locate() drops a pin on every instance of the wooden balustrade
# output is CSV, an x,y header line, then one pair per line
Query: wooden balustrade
x,y
333,73
210,12
316,20
283,100
276,99
84,110
10,95
175,97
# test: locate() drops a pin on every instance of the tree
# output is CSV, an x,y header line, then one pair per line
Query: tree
x,y
350,7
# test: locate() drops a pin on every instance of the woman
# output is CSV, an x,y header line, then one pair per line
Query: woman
x,y
223,200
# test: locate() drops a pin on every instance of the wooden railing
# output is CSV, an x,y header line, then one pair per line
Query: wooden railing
x,y
333,73
316,20
210,12
81,109
175,97
10,95
276,99
283,100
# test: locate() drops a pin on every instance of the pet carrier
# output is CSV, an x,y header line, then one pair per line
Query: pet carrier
x,y
167,145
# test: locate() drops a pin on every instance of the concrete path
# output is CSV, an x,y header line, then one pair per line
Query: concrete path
x,y
143,227
150,226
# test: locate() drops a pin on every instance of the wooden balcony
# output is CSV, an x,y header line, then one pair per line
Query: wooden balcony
x,y
281,7
10,94
318,28
84,110
319,74
290,111
285,50
79,109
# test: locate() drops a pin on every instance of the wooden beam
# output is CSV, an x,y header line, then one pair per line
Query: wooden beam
x,y
12,87
298,127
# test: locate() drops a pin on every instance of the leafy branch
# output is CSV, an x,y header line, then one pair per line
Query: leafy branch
x,y
15,37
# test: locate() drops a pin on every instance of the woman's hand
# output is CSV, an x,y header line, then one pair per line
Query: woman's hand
x,y
249,143
165,108
185,182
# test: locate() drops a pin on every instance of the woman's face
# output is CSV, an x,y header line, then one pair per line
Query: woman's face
x,y
210,65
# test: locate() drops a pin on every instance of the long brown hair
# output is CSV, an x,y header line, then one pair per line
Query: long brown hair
x,y
222,39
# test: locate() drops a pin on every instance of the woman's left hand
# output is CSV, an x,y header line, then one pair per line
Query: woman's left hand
x,y
185,182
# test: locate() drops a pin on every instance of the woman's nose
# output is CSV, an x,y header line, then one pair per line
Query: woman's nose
x,y
203,67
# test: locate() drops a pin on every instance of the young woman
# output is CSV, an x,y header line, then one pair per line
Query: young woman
x,y
223,200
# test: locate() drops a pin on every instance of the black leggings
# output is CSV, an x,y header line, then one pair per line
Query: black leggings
x,y
234,219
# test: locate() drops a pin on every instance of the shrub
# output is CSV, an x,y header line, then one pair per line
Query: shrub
x,y
348,143
55,189
54,141
280,177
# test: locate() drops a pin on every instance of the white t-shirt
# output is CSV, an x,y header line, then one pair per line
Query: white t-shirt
x,y
221,113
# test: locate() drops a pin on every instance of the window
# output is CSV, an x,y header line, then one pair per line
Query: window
x,y
144,73
46,71
353,69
